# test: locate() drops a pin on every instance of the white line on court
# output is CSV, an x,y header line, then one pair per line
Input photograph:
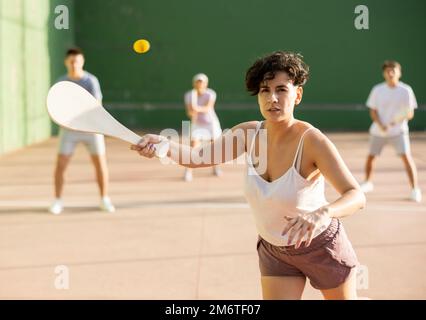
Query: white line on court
x,y
190,204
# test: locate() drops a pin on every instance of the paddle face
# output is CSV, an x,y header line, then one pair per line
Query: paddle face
x,y
73,107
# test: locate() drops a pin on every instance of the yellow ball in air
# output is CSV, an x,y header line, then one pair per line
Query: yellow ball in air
x,y
141,46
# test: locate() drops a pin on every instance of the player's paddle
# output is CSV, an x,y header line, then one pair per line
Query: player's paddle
x,y
402,115
73,107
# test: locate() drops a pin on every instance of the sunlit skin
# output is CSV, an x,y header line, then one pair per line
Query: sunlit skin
x,y
392,76
200,86
74,65
277,99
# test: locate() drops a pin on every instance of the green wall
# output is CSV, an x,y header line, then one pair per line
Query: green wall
x,y
30,53
222,38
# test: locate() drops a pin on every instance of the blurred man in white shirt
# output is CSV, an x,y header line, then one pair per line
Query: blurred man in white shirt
x,y
392,105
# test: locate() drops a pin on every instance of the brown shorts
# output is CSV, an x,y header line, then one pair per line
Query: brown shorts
x,y
327,262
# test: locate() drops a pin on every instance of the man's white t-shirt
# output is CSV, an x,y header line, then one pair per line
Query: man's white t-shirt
x,y
389,102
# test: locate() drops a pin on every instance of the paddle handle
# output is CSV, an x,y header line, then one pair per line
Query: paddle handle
x,y
161,149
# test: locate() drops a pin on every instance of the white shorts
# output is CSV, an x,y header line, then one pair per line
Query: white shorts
x,y
401,144
94,142
205,132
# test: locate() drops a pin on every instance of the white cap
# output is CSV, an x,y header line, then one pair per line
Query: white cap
x,y
200,76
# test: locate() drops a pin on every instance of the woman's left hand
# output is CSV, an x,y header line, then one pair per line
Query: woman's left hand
x,y
305,224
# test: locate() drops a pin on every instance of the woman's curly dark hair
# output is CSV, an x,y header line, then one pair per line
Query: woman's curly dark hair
x,y
266,67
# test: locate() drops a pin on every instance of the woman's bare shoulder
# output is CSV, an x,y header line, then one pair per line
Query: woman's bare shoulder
x,y
315,139
246,125
313,135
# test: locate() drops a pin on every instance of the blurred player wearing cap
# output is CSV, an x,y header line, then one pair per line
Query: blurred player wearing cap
x,y
205,125
392,105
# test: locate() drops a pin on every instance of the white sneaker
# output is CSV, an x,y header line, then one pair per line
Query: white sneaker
x,y
367,186
188,176
217,172
416,195
106,205
56,207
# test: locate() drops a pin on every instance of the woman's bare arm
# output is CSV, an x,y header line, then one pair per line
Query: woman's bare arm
x,y
328,160
229,146
335,171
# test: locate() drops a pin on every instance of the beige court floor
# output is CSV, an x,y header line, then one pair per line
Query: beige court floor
x,y
175,240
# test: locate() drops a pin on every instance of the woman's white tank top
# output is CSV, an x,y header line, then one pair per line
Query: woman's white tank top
x,y
289,195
